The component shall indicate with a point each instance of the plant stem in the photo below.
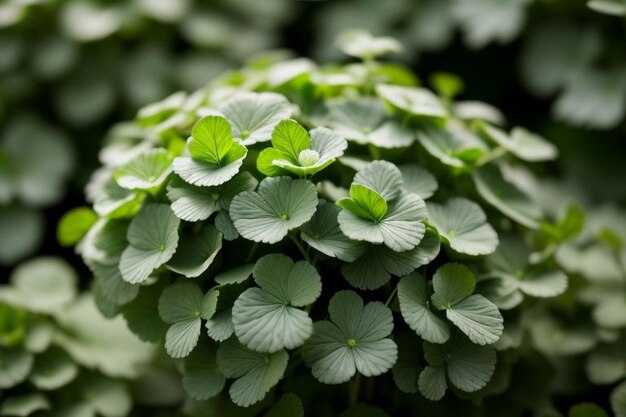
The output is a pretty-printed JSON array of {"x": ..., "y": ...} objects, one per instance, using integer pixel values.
[
  {"x": 252, "y": 251},
  {"x": 301, "y": 248},
  {"x": 391, "y": 296},
  {"x": 354, "y": 389},
  {"x": 491, "y": 156}
]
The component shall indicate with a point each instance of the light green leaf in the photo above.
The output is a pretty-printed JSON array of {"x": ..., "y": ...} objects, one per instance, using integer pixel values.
[
  {"x": 201, "y": 377},
  {"x": 361, "y": 44},
  {"x": 606, "y": 364},
  {"x": 196, "y": 252},
  {"x": 586, "y": 410},
  {"x": 106, "y": 397},
  {"x": 323, "y": 233},
  {"x": 279, "y": 205},
  {"x": 478, "y": 318},
  {"x": 452, "y": 147},
  {"x": 214, "y": 156},
  {"x": 417, "y": 180},
  {"x": 506, "y": 198},
  {"x": 22, "y": 230},
  {"x": 224, "y": 224},
  {"x": 38, "y": 336},
  {"x": 53, "y": 369},
  {"x": 191, "y": 203},
  {"x": 74, "y": 225},
  {"x": 375, "y": 267},
  {"x": 545, "y": 284},
  {"x": 254, "y": 115},
  {"x": 153, "y": 238},
  {"x": 356, "y": 338},
  {"x": 415, "y": 309},
  {"x": 146, "y": 171},
  {"x": 24, "y": 405},
  {"x": 414, "y": 100},
  {"x": 236, "y": 275},
  {"x": 256, "y": 373},
  {"x": 288, "y": 405},
  {"x": 381, "y": 176},
  {"x": 115, "y": 201},
  {"x": 522, "y": 143},
  {"x": 554, "y": 338},
  {"x": 611, "y": 7},
  {"x": 265, "y": 318},
  {"x": 15, "y": 365},
  {"x": 44, "y": 284},
  {"x": 365, "y": 204},
  {"x": 290, "y": 138},
  {"x": 220, "y": 327},
  {"x": 468, "y": 367},
  {"x": 463, "y": 225},
  {"x": 452, "y": 283},
  {"x": 181, "y": 305},
  {"x": 618, "y": 400}
]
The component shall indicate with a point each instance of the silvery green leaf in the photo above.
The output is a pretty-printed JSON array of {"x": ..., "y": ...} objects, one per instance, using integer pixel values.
[
  {"x": 432, "y": 382},
  {"x": 256, "y": 373},
  {"x": 196, "y": 252},
  {"x": 146, "y": 171},
  {"x": 409, "y": 365},
  {"x": 288, "y": 405},
  {"x": 24, "y": 405},
  {"x": 606, "y": 364},
  {"x": 463, "y": 225},
  {"x": 452, "y": 147},
  {"x": 505, "y": 197},
  {"x": 414, "y": 100},
  {"x": 381, "y": 176},
  {"x": 612, "y": 7},
  {"x": 15, "y": 366},
  {"x": 477, "y": 110},
  {"x": 375, "y": 267},
  {"x": 418, "y": 180},
  {"x": 361, "y": 44},
  {"x": 111, "y": 284},
  {"x": 201, "y": 377},
  {"x": 618, "y": 400},
  {"x": 356, "y": 338},
  {"x": 279, "y": 205},
  {"x": 266, "y": 319},
  {"x": 554, "y": 338},
  {"x": 53, "y": 369},
  {"x": 254, "y": 115},
  {"x": 142, "y": 315},
  {"x": 153, "y": 239},
  {"x": 283, "y": 72},
  {"x": 224, "y": 224},
  {"x": 87, "y": 22},
  {"x": 22, "y": 230},
  {"x": 415, "y": 308},
  {"x": 236, "y": 275},
  {"x": 522, "y": 143}
]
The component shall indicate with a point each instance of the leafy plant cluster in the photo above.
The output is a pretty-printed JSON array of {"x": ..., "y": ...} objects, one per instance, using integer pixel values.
[
  {"x": 68, "y": 66},
  {"x": 570, "y": 52},
  {"x": 58, "y": 355},
  {"x": 293, "y": 227}
]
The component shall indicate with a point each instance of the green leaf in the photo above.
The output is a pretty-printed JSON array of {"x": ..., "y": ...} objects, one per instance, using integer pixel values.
[
  {"x": 115, "y": 201},
  {"x": 254, "y": 115},
  {"x": 606, "y": 364},
  {"x": 22, "y": 230},
  {"x": 279, "y": 205},
  {"x": 214, "y": 156},
  {"x": 323, "y": 233},
  {"x": 413, "y": 100},
  {"x": 288, "y": 405},
  {"x": 611, "y": 7},
  {"x": 522, "y": 143},
  {"x": 295, "y": 152},
  {"x": 74, "y": 225},
  {"x": 415, "y": 308},
  {"x": 463, "y": 225},
  {"x": 24, "y": 405},
  {"x": 181, "y": 305},
  {"x": 256, "y": 373},
  {"x": 468, "y": 367},
  {"x": 236, "y": 275},
  {"x": 15, "y": 365},
  {"x": 409, "y": 365},
  {"x": 618, "y": 400},
  {"x": 111, "y": 284},
  {"x": 456, "y": 148},
  {"x": 191, "y": 203},
  {"x": 196, "y": 252},
  {"x": 106, "y": 397},
  {"x": 220, "y": 327},
  {"x": 53, "y": 369},
  {"x": 506, "y": 198},
  {"x": 148, "y": 170},
  {"x": 361, "y": 44},
  {"x": 375, "y": 267},
  {"x": 554, "y": 338},
  {"x": 381, "y": 176},
  {"x": 356, "y": 338},
  {"x": 224, "y": 224},
  {"x": 265, "y": 318},
  {"x": 201, "y": 377},
  {"x": 364, "y": 203},
  {"x": 586, "y": 410},
  {"x": 153, "y": 238},
  {"x": 142, "y": 315},
  {"x": 44, "y": 284},
  {"x": 452, "y": 283},
  {"x": 417, "y": 180}
]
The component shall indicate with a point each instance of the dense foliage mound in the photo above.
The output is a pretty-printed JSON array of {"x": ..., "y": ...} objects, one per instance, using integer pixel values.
[{"x": 293, "y": 227}]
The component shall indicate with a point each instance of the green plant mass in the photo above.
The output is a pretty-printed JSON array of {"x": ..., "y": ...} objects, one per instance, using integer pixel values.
[{"x": 294, "y": 232}]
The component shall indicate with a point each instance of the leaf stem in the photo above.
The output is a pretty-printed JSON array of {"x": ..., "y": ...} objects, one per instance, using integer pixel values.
[
  {"x": 354, "y": 389},
  {"x": 391, "y": 296},
  {"x": 251, "y": 252},
  {"x": 491, "y": 156},
  {"x": 300, "y": 247}
]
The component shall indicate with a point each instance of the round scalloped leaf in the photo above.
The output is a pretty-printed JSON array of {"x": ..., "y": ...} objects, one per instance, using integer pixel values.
[
  {"x": 375, "y": 267},
  {"x": 586, "y": 410},
  {"x": 224, "y": 224},
  {"x": 15, "y": 365},
  {"x": 22, "y": 230},
  {"x": 196, "y": 252},
  {"x": 201, "y": 377},
  {"x": 432, "y": 383},
  {"x": 606, "y": 364},
  {"x": 356, "y": 338},
  {"x": 361, "y": 44},
  {"x": 409, "y": 365},
  {"x": 220, "y": 327},
  {"x": 153, "y": 239},
  {"x": 214, "y": 156},
  {"x": 254, "y": 115},
  {"x": 236, "y": 275},
  {"x": 146, "y": 171},
  {"x": 381, "y": 176},
  {"x": 115, "y": 201},
  {"x": 545, "y": 284},
  {"x": 288, "y": 405},
  {"x": 142, "y": 315},
  {"x": 463, "y": 225},
  {"x": 413, "y": 100},
  {"x": 256, "y": 373},
  {"x": 44, "y": 284},
  {"x": 522, "y": 143},
  {"x": 323, "y": 233},
  {"x": 418, "y": 180},
  {"x": 554, "y": 338},
  {"x": 279, "y": 205},
  {"x": 454, "y": 148},
  {"x": 506, "y": 198},
  {"x": 415, "y": 308},
  {"x": 24, "y": 405},
  {"x": 618, "y": 400},
  {"x": 265, "y": 318},
  {"x": 53, "y": 369}
]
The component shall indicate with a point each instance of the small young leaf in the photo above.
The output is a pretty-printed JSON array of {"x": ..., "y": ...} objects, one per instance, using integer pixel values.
[{"x": 74, "y": 225}]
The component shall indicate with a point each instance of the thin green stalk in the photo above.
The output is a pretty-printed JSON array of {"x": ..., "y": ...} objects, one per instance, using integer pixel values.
[
  {"x": 391, "y": 296},
  {"x": 354, "y": 389},
  {"x": 300, "y": 247}
]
